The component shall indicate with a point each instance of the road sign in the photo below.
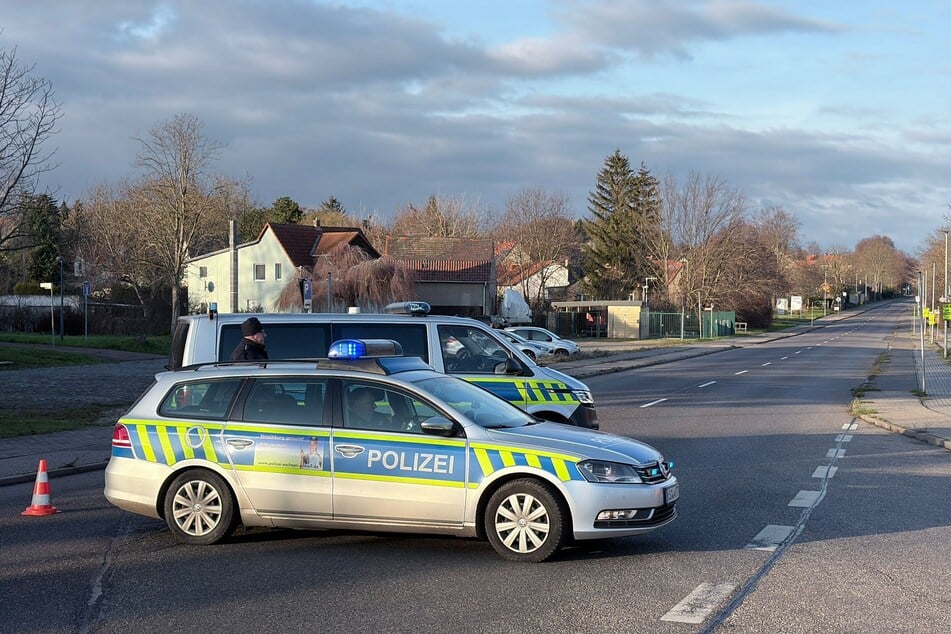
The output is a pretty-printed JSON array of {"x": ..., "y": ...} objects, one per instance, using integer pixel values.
[
  {"x": 946, "y": 312},
  {"x": 307, "y": 294},
  {"x": 87, "y": 288}
]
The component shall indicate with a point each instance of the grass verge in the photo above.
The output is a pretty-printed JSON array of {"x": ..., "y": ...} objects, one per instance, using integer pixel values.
[
  {"x": 153, "y": 345},
  {"x": 22, "y": 423},
  {"x": 22, "y": 358}
]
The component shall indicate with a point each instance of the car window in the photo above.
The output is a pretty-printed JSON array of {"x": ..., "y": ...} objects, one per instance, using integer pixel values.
[
  {"x": 475, "y": 403},
  {"x": 200, "y": 399},
  {"x": 468, "y": 350},
  {"x": 291, "y": 401},
  {"x": 284, "y": 341},
  {"x": 368, "y": 405}
]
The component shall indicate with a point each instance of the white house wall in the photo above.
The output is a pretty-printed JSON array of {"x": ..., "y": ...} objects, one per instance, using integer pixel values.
[{"x": 252, "y": 294}]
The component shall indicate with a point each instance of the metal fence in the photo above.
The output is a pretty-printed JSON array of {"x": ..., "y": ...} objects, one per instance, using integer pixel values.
[{"x": 687, "y": 326}]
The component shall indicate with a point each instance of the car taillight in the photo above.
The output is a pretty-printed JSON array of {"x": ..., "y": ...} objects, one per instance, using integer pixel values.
[{"x": 120, "y": 436}]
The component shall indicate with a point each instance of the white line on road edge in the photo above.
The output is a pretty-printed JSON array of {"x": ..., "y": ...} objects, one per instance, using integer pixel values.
[
  {"x": 707, "y": 384},
  {"x": 824, "y": 472},
  {"x": 843, "y": 438},
  {"x": 700, "y": 603},
  {"x": 740, "y": 372},
  {"x": 770, "y": 537},
  {"x": 835, "y": 453},
  {"x": 805, "y": 499},
  {"x": 660, "y": 400}
]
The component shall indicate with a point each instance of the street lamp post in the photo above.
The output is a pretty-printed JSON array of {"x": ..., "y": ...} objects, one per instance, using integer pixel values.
[
  {"x": 945, "y": 298},
  {"x": 62, "y": 311}
]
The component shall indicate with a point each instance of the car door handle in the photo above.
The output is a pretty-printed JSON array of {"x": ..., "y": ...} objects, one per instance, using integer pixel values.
[
  {"x": 349, "y": 451},
  {"x": 239, "y": 443}
]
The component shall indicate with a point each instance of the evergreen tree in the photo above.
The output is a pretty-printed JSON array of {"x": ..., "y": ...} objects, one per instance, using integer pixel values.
[
  {"x": 626, "y": 215},
  {"x": 44, "y": 222},
  {"x": 285, "y": 211}
]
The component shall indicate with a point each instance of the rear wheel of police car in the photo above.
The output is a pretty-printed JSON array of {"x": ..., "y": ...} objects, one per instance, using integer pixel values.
[
  {"x": 525, "y": 521},
  {"x": 199, "y": 508}
]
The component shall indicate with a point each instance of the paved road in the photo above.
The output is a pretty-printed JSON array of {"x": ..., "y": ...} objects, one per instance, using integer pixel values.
[{"x": 866, "y": 553}]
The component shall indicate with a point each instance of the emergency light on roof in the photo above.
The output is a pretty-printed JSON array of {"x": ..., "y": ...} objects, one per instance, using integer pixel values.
[
  {"x": 352, "y": 349},
  {"x": 407, "y": 308}
]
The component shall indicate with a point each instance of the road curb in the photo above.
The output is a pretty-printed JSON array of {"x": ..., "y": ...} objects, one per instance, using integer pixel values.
[
  {"x": 53, "y": 473},
  {"x": 642, "y": 363},
  {"x": 923, "y": 436}
]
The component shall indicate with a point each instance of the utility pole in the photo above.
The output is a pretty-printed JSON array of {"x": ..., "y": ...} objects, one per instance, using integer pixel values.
[{"x": 921, "y": 292}]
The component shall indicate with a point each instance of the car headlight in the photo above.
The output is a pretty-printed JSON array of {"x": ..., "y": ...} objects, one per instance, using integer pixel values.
[
  {"x": 583, "y": 396},
  {"x": 608, "y": 472}
]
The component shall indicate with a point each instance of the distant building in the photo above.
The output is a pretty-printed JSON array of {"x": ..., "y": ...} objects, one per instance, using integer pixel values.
[
  {"x": 456, "y": 276},
  {"x": 264, "y": 266}
]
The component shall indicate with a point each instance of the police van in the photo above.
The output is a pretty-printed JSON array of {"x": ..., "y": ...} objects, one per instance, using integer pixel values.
[{"x": 458, "y": 346}]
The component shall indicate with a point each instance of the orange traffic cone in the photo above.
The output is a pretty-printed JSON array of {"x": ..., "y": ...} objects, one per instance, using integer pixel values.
[{"x": 41, "y": 494}]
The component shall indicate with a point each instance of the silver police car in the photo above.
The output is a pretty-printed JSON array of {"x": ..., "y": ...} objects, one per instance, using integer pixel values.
[{"x": 368, "y": 439}]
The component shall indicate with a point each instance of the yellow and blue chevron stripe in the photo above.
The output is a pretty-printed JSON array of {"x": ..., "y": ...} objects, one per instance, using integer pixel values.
[
  {"x": 527, "y": 392},
  {"x": 491, "y": 458}
]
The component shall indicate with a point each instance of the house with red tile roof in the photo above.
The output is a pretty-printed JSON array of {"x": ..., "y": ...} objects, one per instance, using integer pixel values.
[
  {"x": 250, "y": 276},
  {"x": 455, "y": 276}
]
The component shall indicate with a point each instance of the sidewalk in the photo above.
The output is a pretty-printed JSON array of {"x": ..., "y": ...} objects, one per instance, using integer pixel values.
[{"x": 891, "y": 401}]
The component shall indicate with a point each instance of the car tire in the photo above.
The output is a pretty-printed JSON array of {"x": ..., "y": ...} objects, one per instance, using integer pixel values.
[
  {"x": 561, "y": 353},
  {"x": 199, "y": 508},
  {"x": 529, "y": 354},
  {"x": 524, "y": 521}
]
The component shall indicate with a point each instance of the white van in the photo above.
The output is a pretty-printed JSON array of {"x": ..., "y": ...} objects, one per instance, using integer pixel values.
[{"x": 452, "y": 345}]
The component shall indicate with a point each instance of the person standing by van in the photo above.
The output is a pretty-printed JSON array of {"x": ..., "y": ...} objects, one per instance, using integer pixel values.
[{"x": 251, "y": 347}]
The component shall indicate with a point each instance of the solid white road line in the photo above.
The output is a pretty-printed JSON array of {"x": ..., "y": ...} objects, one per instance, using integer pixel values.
[
  {"x": 770, "y": 537},
  {"x": 740, "y": 372},
  {"x": 700, "y": 603},
  {"x": 835, "y": 453},
  {"x": 805, "y": 499},
  {"x": 824, "y": 472},
  {"x": 660, "y": 400},
  {"x": 707, "y": 384},
  {"x": 843, "y": 438}
]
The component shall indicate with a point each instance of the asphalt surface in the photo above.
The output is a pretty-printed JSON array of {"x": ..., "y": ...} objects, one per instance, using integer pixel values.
[{"x": 893, "y": 399}]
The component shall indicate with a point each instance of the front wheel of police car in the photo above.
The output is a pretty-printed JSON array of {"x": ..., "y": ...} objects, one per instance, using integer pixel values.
[
  {"x": 199, "y": 509},
  {"x": 525, "y": 522}
]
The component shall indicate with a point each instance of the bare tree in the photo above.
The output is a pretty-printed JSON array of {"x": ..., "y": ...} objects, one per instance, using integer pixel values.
[
  {"x": 353, "y": 279},
  {"x": 882, "y": 263},
  {"x": 540, "y": 228},
  {"x": 28, "y": 116},
  {"x": 442, "y": 217},
  {"x": 702, "y": 222},
  {"x": 176, "y": 159}
]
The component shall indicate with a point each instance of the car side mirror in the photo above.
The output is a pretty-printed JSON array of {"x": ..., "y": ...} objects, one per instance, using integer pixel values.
[
  {"x": 438, "y": 426},
  {"x": 510, "y": 367}
]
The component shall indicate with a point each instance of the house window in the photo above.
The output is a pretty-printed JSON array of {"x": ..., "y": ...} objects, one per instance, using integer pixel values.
[
  {"x": 202, "y": 271},
  {"x": 277, "y": 270},
  {"x": 260, "y": 271}
]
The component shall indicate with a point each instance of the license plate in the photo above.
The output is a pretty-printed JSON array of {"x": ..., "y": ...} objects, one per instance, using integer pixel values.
[{"x": 671, "y": 493}]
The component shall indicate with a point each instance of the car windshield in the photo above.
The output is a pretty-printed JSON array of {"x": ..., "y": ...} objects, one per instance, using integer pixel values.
[
  {"x": 475, "y": 403},
  {"x": 513, "y": 337}
]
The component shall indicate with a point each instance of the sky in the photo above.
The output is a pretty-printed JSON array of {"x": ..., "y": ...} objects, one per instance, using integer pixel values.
[{"x": 839, "y": 112}]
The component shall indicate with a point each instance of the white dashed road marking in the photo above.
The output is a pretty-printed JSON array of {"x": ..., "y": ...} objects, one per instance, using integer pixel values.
[
  {"x": 770, "y": 537},
  {"x": 707, "y": 384},
  {"x": 805, "y": 499},
  {"x": 740, "y": 372},
  {"x": 824, "y": 472},
  {"x": 767, "y": 363},
  {"x": 700, "y": 603},
  {"x": 843, "y": 438},
  {"x": 660, "y": 400},
  {"x": 835, "y": 453}
]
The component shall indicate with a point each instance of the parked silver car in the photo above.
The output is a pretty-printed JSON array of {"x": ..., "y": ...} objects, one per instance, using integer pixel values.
[
  {"x": 535, "y": 334},
  {"x": 534, "y": 350},
  {"x": 366, "y": 440}
]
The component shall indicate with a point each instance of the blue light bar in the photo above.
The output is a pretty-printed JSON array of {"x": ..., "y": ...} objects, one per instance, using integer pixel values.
[
  {"x": 415, "y": 308},
  {"x": 347, "y": 349},
  {"x": 352, "y": 349}
]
